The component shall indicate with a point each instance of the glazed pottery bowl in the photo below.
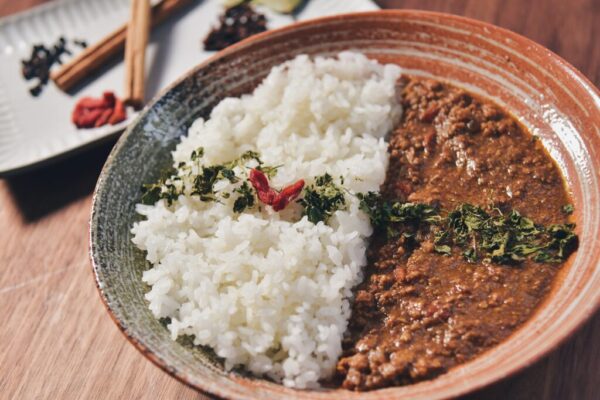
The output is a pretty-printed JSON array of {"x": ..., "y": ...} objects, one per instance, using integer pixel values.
[{"x": 544, "y": 92}]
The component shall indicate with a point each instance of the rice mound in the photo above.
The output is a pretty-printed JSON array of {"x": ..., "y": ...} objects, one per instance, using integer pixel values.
[{"x": 266, "y": 290}]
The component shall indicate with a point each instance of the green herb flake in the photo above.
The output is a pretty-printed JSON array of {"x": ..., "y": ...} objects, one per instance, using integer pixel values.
[
  {"x": 250, "y": 155},
  {"x": 151, "y": 193},
  {"x": 229, "y": 174},
  {"x": 568, "y": 209},
  {"x": 504, "y": 238},
  {"x": 197, "y": 154},
  {"x": 245, "y": 199},
  {"x": 204, "y": 183},
  {"x": 443, "y": 249},
  {"x": 269, "y": 171},
  {"x": 491, "y": 236},
  {"x": 470, "y": 255},
  {"x": 322, "y": 199},
  {"x": 162, "y": 189},
  {"x": 382, "y": 214}
]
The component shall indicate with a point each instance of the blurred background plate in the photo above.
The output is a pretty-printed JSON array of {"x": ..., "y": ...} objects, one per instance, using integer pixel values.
[{"x": 36, "y": 130}]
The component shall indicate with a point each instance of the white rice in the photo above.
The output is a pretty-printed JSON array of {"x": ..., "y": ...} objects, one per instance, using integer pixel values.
[{"x": 271, "y": 291}]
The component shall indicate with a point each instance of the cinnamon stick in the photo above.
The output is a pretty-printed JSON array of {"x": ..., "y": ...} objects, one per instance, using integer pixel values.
[
  {"x": 135, "y": 52},
  {"x": 97, "y": 55}
]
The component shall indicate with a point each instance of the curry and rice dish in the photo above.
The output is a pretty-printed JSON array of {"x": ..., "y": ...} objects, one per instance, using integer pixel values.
[{"x": 346, "y": 225}]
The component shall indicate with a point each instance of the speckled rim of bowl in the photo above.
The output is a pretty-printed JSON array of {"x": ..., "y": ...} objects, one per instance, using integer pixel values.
[{"x": 457, "y": 389}]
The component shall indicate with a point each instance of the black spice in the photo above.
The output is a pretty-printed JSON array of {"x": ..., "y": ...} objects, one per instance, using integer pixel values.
[
  {"x": 237, "y": 23},
  {"x": 80, "y": 43},
  {"x": 42, "y": 58}
]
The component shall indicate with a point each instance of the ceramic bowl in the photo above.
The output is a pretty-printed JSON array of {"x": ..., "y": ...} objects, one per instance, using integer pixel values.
[{"x": 547, "y": 94}]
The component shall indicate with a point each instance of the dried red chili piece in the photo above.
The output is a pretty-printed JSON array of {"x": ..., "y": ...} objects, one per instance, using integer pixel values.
[
  {"x": 91, "y": 112},
  {"x": 119, "y": 113},
  {"x": 103, "y": 118},
  {"x": 261, "y": 184},
  {"x": 90, "y": 102},
  {"x": 288, "y": 194},
  {"x": 268, "y": 195},
  {"x": 86, "y": 118},
  {"x": 109, "y": 99}
]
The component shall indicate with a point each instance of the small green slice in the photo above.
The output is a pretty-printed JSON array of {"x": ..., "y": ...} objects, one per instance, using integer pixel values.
[{"x": 281, "y": 6}]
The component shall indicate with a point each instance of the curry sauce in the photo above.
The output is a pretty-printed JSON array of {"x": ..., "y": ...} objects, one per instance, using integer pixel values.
[{"x": 418, "y": 313}]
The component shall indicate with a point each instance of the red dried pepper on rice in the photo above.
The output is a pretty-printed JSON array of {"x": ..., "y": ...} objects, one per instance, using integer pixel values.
[{"x": 271, "y": 197}]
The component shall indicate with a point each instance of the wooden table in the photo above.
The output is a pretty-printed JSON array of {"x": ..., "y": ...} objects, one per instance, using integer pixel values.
[{"x": 58, "y": 342}]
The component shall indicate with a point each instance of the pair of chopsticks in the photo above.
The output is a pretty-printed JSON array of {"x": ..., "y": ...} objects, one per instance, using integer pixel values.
[{"x": 133, "y": 37}]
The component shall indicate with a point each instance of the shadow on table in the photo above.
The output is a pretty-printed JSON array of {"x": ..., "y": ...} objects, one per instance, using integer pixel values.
[{"x": 45, "y": 190}]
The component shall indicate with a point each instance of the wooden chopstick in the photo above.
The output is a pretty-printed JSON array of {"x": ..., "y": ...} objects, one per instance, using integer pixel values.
[
  {"x": 97, "y": 55},
  {"x": 135, "y": 52}
]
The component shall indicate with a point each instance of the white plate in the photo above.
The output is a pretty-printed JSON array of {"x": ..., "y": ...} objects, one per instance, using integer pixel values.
[{"x": 36, "y": 130}]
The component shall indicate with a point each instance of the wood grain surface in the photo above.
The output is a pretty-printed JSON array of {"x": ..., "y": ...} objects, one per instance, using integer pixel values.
[{"x": 58, "y": 342}]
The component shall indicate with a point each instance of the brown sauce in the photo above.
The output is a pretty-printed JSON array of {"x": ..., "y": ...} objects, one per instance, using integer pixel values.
[{"x": 419, "y": 313}]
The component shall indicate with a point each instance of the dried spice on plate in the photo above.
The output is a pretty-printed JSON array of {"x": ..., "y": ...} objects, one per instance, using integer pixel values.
[
  {"x": 237, "y": 23},
  {"x": 42, "y": 59},
  {"x": 91, "y": 112}
]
